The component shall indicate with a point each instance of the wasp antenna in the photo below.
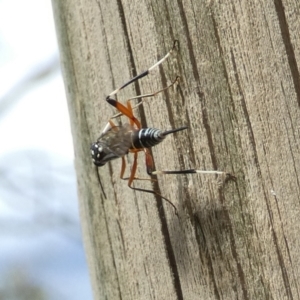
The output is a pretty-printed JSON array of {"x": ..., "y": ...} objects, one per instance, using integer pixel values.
[{"x": 100, "y": 182}]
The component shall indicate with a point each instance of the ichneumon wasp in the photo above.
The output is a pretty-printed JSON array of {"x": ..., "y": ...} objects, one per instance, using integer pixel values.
[{"x": 117, "y": 141}]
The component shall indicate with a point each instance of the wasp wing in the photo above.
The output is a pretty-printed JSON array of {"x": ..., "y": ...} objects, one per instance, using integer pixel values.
[{"x": 118, "y": 140}]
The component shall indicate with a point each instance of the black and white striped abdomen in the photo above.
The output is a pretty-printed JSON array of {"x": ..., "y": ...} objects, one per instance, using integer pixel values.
[{"x": 147, "y": 137}]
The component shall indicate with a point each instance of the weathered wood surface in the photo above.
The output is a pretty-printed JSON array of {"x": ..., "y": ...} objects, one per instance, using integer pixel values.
[{"x": 240, "y": 96}]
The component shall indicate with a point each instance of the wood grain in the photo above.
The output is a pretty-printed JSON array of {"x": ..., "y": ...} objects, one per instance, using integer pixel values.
[{"x": 239, "y": 94}]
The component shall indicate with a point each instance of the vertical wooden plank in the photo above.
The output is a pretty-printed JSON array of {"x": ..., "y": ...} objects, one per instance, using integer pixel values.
[{"x": 239, "y": 95}]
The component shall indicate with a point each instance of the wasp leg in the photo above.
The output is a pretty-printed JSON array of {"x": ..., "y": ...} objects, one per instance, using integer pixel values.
[
  {"x": 150, "y": 165},
  {"x": 150, "y": 171},
  {"x": 123, "y": 167},
  {"x": 139, "y": 178},
  {"x": 110, "y": 125},
  {"x": 145, "y": 73},
  {"x": 228, "y": 176},
  {"x": 127, "y": 111},
  {"x": 132, "y": 177},
  {"x": 190, "y": 171},
  {"x": 147, "y": 96},
  {"x": 120, "y": 107}
]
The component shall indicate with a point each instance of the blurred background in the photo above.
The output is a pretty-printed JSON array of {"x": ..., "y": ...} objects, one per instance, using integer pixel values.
[{"x": 41, "y": 251}]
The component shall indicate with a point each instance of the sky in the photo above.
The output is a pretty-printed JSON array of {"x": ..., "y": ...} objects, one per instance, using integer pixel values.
[{"x": 40, "y": 235}]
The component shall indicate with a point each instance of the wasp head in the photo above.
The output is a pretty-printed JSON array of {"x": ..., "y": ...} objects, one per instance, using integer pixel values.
[{"x": 100, "y": 154}]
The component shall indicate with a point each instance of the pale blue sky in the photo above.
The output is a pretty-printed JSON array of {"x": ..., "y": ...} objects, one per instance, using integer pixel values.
[{"x": 39, "y": 223}]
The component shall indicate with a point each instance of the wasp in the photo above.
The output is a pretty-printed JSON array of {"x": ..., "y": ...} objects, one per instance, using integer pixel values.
[{"x": 118, "y": 141}]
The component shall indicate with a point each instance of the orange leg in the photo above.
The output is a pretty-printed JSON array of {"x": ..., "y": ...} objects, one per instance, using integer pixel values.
[
  {"x": 132, "y": 177},
  {"x": 123, "y": 167},
  {"x": 149, "y": 95},
  {"x": 127, "y": 111}
]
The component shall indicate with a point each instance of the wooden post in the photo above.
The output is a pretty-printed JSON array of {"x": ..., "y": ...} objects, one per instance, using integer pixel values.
[{"x": 239, "y": 94}]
